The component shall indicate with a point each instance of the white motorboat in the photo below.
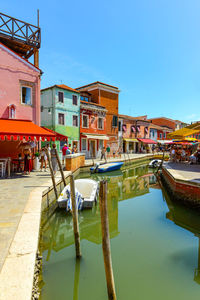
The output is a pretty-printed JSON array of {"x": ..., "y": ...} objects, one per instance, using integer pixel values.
[
  {"x": 86, "y": 192},
  {"x": 155, "y": 163}
]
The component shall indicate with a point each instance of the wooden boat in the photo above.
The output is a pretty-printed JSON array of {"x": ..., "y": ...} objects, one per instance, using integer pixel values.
[
  {"x": 86, "y": 192},
  {"x": 106, "y": 167}
]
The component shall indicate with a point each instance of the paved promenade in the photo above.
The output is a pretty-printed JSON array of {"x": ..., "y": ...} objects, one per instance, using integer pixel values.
[
  {"x": 14, "y": 193},
  {"x": 184, "y": 172},
  {"x": 124, "y": 158}
]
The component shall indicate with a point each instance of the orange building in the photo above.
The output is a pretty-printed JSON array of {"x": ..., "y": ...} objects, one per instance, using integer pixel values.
[
  {"x": 92, "y": 127},
  {"x": 107, "y": 96},
  {"x": 166, "y": 122}
]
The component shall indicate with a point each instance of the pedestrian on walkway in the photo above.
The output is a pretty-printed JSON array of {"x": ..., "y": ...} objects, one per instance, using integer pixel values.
[
  {"x": 27, "y": 161},
  {"x": 64, "y": 153},
  {"x": 54, "y": 161},
  {"x": 48, "y": 148},
  {"x": 108, "y": 151},
  {"x": 43, "y": 160},
  {"x": 103, "y": 153}
]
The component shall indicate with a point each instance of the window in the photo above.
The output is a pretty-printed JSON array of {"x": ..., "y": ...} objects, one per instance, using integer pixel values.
[
  {"x": 84, "y": 99},
  {"x": 61, "y": 119},
  {"x": 100, "y": 123},
  {"x": 85, "y": 121},
  {"x": 114, "y": 121},
  {"x": 75, "y": 121},
  {"x": 12, "y": 111},
  {"x": 75, "y": 99},
  {"x": 84, "y": 144},
  {"x": 26, "y": 95},
  {"x": 160, "y": 135},
  {"x": 164, "y": 135},
  {"x": 61, "y": 97},
  {"x": 119, "y": 126}
]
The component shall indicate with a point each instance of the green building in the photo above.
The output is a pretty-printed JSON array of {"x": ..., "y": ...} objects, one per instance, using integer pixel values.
[{"x": 60, "y": 111}]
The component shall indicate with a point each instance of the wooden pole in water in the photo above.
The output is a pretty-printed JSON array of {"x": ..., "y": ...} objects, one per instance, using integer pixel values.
[
  {"x": 60, "y": 167},
  {"x": 75, "y": 218},
  {"x": 106, "y": 241},
  {"x": 52, "y": 174}
]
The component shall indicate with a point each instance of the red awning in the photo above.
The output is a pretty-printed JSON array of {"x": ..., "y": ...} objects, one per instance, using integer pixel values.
[
  {"x": 59, "y": 136},
  {"x": 19, "y": 129},
  {"x": 147, "y": 141}
]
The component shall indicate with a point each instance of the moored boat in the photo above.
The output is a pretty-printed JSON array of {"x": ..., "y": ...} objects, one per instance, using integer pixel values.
[
  {"x": 86, "y": 192},
  {"x": 108, "y": 167},
  {"x": 155, "y": 163}
]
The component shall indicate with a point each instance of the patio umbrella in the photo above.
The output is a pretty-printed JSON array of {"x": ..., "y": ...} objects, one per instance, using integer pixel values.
[{"x": 25, "y": 145}]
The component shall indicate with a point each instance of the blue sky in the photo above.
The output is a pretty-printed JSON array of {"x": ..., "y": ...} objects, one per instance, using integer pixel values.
[{"x": 149, "y": 49}]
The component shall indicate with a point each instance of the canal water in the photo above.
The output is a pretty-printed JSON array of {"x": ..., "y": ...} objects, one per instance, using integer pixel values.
[{"x": 155, "y": 245}]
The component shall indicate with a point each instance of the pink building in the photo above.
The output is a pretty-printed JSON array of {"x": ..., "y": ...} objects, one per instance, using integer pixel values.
[{"x": 19, "y": 87}]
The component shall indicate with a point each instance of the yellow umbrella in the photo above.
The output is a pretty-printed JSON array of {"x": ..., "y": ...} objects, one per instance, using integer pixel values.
[
  {"x": 182, "y": 133},
  {"x": 191, "y": 139}
]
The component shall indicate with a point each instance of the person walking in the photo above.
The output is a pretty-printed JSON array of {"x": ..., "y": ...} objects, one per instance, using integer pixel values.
[
  {"x": 48, "y": 148},
  {"x": 103, "y": 153},
  {"x": 54, "y": 161},
  {"x": 43, "y": 159},
  {"x": 108, "y": 151},
  {"x": 27, "y": 161},
  {"x": 64, "y": 153}
]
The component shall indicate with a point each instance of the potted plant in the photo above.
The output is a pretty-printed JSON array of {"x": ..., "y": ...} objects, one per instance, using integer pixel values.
[{"x": 36, "y": 163}]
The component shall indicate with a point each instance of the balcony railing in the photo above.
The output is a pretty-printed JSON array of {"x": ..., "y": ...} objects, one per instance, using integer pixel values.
[{"x": 16, "y": 29}]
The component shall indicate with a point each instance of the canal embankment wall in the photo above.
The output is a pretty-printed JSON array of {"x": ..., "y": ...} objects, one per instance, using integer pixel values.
[
  {"x": 183, "y": 183},
  {"x": 17, "y": 273}
]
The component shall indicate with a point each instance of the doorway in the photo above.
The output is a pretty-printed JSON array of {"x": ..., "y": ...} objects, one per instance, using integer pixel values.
[{"x": 93, "y": 148}]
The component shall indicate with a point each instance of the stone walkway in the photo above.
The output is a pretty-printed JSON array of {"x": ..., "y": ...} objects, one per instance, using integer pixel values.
[
  {"x": 124, "y": 157},
  {"x": 14, "y": 193}
]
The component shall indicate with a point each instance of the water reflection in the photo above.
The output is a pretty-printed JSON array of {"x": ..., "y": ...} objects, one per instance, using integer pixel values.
[
  {"x": 58, "y": 230},
  {"x": 187, "y": 219},
  {"x": 76, "y": 279},
  {"x": 145, "y": 226}
]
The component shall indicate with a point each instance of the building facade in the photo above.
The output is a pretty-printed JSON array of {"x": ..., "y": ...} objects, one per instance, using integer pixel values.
[
  {"x": 159, "y": 133},
  {"x": 106, "y": 96},
  {"x": 135, "y": 133},
  {"x": 60, "y": 111},
  {"x": 92, "y": 128},
  {"x": 169, "y": 123},
  {"x": 20, "y": 87}
]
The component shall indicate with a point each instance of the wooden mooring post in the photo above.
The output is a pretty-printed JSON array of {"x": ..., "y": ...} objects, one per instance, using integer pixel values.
[
  {"x": 60, "y": 167},
  {"x": 52, "y": 174},
  {"x": 106, "y": 241},
  {"x": 75, "y": 218}
]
